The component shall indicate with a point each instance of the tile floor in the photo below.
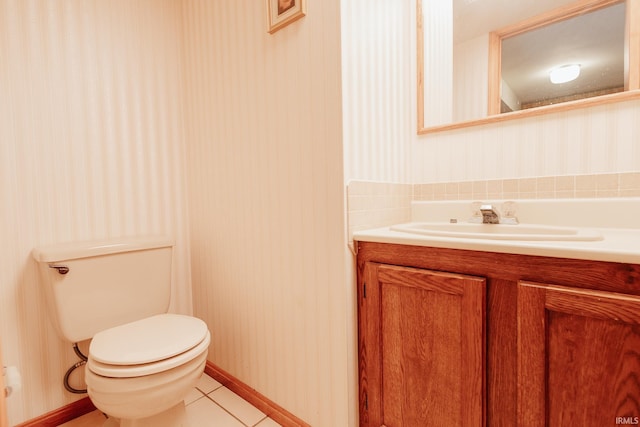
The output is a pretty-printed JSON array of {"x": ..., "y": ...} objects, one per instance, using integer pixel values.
[{"x": 208, "y": 404}]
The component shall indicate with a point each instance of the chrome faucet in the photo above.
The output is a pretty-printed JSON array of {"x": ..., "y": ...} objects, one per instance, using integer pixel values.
[
  {"x": 490, "y": 214},
  {"x": 487, "y": 213}
]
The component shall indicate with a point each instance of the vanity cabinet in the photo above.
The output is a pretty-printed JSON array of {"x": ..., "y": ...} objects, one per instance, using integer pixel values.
[{"x": 466, "y": 338}]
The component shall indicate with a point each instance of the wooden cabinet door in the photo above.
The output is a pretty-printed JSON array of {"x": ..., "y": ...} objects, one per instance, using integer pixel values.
[
  {"x": 421, "y": 348},
  {"x": 578, "y": 357}
]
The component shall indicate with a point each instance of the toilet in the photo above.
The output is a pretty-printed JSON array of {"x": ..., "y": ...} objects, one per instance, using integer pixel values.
[{"x": 142, "y": 360}]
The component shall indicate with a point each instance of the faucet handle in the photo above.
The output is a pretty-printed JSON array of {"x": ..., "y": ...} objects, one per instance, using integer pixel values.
[{"x": 509, "y": 209}]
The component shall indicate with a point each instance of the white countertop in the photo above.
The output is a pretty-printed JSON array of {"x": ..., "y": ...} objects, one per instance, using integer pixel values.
[
  {"x": 620, "y": 243},
  {"x": 617, "y": 245}
]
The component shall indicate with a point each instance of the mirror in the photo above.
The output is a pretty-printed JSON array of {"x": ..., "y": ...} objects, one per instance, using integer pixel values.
[{"x": 482, "y": 61}]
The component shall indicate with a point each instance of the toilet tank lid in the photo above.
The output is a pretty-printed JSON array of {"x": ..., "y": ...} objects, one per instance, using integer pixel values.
[
  {"x": 90, "y": 248},
  {"x": 148, "y": 340}
]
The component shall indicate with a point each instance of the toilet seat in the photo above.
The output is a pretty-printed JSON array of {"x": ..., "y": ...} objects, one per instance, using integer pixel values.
[{"x": 148, "y": 346}]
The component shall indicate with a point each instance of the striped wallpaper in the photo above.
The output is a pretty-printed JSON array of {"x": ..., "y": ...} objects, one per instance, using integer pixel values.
[
  {"x": 595, "y": 140},
  {"x": 264, "y": 142},
  {"x": 91, "y": 146},
  {"x": 378, "y": 98}
]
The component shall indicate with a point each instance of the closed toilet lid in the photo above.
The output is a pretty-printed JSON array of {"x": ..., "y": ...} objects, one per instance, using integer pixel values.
[
  {"x": 148, "y": 340},
  {"x": 133, "y": 371}
]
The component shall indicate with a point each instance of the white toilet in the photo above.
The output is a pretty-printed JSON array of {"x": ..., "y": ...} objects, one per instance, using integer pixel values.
[{"x": 142, "y": 361}]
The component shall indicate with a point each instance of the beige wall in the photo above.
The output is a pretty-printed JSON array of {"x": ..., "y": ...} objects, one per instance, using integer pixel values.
[
  {"x": 91, "y": 146},
  {"x": 590, "y": 141},
  {"x": 378, "y": 57},
  {"x": 265, "y": 174}
]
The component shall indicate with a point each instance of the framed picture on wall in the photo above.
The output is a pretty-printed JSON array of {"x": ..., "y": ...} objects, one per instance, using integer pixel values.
[{"x": 283, "y": 12}]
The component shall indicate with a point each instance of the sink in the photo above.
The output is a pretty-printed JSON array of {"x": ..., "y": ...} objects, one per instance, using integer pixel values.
[{"x": 527, "y": 232}]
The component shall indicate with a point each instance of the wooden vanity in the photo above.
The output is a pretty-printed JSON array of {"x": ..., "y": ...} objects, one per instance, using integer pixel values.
[{"x": 450, "y": 337}]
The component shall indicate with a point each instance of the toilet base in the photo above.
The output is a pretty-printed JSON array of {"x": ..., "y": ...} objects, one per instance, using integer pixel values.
[
  {"x": 111, "y": 422},
  {"x": 172, "y": 417}
]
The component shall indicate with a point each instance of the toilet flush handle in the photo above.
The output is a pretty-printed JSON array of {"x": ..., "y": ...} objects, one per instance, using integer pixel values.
[{"x": 62, "y": 269}]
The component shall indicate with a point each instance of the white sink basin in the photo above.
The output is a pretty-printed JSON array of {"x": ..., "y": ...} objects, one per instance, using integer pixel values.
[{"x": 499, "y": 231}]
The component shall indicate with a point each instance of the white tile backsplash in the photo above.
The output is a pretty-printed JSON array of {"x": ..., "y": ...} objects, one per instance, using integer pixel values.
[{"x": 376, "y": 204}]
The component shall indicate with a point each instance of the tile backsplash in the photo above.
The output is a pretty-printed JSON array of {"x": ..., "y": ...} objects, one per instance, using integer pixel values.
[
  {"x": 550, "y": 187},
  {"x": 378, "y": 204}
]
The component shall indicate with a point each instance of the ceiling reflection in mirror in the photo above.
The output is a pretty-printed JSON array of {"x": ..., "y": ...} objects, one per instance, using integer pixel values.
[
  {"x": 593, "y": 43},
  {"x": 460, "y": 80}
]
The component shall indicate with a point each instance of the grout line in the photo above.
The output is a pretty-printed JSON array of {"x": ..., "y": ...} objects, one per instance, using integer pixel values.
[
  {"x": 223, "y": 408},
  {"x": 205, "y": 393},
  {"x": 256, "y": 424}
]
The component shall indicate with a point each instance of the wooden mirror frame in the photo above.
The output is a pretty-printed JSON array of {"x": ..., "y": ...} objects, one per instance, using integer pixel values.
[{"x": 632, "y": 53}]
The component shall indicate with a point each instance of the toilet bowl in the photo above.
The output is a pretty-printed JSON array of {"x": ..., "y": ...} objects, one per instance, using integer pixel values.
[{"x": 139, "y": 373}]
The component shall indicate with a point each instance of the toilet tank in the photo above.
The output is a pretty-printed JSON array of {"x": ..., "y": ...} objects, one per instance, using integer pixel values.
[{"x": 95, "y": 285}]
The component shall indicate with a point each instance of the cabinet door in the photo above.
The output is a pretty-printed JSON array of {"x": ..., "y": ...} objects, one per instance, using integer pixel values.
[
  {"x": 578, "y": 357},
  {"x": 422, "y": 348}
]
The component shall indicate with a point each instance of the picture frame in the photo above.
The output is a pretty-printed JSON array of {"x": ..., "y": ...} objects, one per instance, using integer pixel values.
[{"x": 281, "y": 13}]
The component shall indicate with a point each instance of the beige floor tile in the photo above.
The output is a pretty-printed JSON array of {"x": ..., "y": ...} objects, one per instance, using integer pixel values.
[
  {"x": 268, "y": 422},
  {"x": 239, "y": 407},
  {"x": 206, "y": 384},
  {"x": 92, "y": 419},
  {"x": 205, "y": 413},
  {"x": 193, "y": 395}
]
